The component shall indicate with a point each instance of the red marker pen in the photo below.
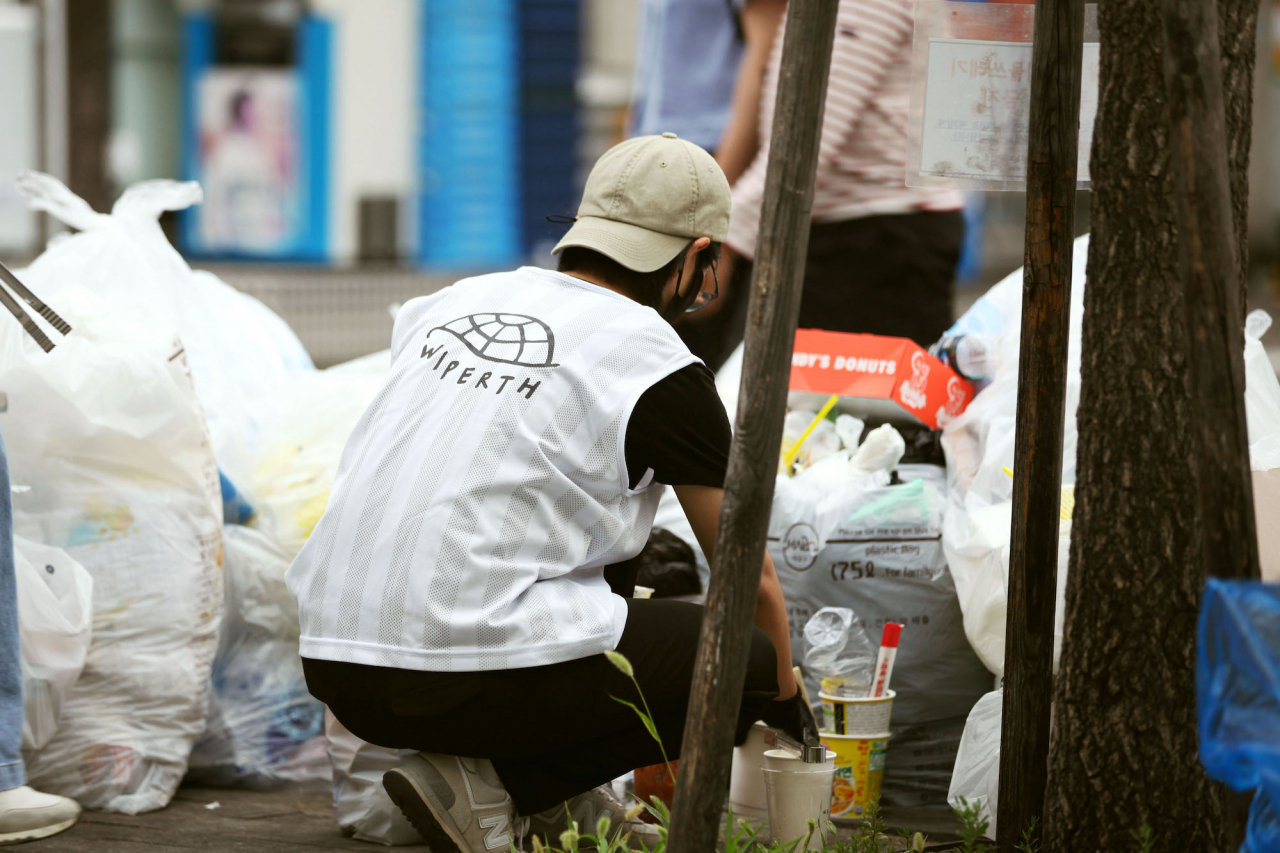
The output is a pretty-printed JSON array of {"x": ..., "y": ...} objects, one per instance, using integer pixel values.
[{"x": 884, "y": 661}]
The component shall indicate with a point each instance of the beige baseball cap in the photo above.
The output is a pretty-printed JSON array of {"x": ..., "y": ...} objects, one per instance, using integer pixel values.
[{"x": 647, "y": 198}]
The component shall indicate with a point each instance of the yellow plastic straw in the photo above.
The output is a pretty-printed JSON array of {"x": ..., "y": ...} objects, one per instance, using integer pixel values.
[
  {"x": 790, "y": 458},
  {"x": 1067, "y": 503}
]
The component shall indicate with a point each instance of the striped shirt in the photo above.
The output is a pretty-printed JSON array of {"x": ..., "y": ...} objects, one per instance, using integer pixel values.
[
  {"x": 863, "y": 151},
  {"x": 482, "y": 494}
]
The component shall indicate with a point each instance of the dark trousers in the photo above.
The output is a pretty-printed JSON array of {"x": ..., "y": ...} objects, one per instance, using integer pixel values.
[
  {"x": 881, "y": 275},
  {"x": 552, "y": 732}
]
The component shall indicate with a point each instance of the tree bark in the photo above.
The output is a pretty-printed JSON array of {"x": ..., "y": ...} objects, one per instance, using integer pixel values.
[{"x": 1123, "y": 751}]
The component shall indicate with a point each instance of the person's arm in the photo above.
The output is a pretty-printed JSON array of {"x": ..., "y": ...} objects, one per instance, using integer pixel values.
[
  {"x": 741, "y": 137},
  {"x": 702, "y": 508}
]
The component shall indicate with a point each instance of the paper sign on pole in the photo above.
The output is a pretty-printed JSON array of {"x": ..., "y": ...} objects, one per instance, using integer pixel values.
[{"x": 971, "y": 95}]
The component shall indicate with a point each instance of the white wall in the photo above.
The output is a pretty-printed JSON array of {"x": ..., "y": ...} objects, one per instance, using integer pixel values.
[{"x": 375, "y": 73}]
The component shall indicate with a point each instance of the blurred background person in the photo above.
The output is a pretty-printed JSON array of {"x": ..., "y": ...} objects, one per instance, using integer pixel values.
[
  {"x": 882, "y": 255},
  {"x": 700, "y": 66}
]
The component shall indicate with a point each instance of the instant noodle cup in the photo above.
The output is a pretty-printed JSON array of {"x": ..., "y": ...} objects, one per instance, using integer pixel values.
[
  {"x": 848, "y": 715},
  {"x": 859, "y": 771}
]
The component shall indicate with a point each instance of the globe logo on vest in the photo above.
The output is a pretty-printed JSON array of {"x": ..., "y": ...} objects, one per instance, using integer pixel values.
[{"x": 506, "y": 338}]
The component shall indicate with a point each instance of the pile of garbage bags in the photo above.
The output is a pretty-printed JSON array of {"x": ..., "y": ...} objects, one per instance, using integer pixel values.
[
  {"x": 861, "y": 529},
  {"x": 157, "y": 635},
  {"x": 979, "y": 447}
]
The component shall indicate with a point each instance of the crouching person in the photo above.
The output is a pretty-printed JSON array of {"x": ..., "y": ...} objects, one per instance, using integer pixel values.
[{"x": 453, "y": 597}]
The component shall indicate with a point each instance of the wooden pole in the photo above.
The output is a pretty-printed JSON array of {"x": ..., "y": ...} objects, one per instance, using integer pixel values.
[
  {"x": 1052, "y": 146},
  {"x": 89, "y": 100},
  {"x": 721, "y": 665},
  {"x": 1210, "y": 275}
]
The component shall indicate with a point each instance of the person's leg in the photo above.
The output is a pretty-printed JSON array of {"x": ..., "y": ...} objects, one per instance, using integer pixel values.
[
  {"x": 25, "y": 815},
  {"x": 661, "y": 643},
  {"x": 551, "y": 732},
  {"x": 883, "y": 275},
  {"x": 12, "y": 772}
]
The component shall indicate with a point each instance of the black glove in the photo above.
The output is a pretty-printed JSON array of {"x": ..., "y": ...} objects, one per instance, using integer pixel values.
[{"x": 792, "y": 717}]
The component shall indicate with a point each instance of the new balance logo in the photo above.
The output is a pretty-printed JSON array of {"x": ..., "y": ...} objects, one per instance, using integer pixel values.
[{"x": 497, "y": 838}]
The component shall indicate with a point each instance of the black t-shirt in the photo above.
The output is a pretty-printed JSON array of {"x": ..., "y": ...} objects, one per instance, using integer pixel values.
[{"x": 679, "y": 429}]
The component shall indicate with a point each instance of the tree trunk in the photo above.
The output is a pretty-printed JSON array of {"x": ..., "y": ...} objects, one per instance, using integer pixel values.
[{"x": 1123, "y": 746}]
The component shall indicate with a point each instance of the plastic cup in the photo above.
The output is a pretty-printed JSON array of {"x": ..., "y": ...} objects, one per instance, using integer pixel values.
[
  {"x": 847, "y": 715},
  {"x": 859, "y": 770},
  {"x": 797, "y": 796},
  {"x": 746, "y": 787}
]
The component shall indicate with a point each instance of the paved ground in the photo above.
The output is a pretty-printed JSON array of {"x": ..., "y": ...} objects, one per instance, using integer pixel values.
[{"x": 290, "y": 820}]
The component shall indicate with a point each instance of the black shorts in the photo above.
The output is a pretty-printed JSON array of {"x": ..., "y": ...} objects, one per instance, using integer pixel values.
[{"x": 555, "y": 731}]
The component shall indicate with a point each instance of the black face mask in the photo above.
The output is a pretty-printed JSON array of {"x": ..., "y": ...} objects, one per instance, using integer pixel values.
[
  {"x": 681, "y": 302},
  {"x": 684, "y": 303}
]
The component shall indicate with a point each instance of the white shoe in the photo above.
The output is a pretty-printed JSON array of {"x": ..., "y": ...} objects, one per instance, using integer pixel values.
[
  {"x": 26, "y": 815},
  {"x": 458, "y": 805}
]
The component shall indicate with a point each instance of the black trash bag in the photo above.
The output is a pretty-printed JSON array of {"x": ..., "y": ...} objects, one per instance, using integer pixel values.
[{"x": 666, "y": 565}]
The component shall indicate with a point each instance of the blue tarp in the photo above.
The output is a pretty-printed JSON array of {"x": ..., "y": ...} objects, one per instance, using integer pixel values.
[{"x": 1238, "y": 698}]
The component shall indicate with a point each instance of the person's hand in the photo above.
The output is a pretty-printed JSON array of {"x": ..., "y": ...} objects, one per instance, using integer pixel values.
[{"x": 792, "y": 717}]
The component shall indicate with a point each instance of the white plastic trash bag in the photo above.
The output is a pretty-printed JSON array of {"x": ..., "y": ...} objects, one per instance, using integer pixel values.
[
  {"x": 241, "y": 354},
  {"x": 977, "y": 772},
  {"x": 264, "y": 727},
  {"x": 980, "y": 452},
  {"x": 55, "y": 618},
  {"x": 109, "y": 435},
  {"x": 312, "y": 421},
  {"x": 979, "y": 445},
  {"x": 365, "y": 812}
]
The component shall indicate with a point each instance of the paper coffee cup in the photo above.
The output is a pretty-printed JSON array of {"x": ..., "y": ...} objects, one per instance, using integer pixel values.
[
  {"x": 859, "y": 770},
  {"x": 847, "y": 715}
]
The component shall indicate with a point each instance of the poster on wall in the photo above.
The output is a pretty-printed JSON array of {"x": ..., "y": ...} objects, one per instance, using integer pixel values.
[{"x": 249, "y": 161}]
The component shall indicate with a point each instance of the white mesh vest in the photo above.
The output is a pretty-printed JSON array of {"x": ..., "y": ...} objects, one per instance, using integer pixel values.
[{"x": 483, "y": 492}]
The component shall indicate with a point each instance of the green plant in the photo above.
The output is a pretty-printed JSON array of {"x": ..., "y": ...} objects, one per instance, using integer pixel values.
[
  {"x": 739, "y": 838},
  {"x": 973, "y": 826},
  {"x": 646, "y": 716},
  {"x": 1030, "y": 842},
  {"x": 1143, "y": 838}
]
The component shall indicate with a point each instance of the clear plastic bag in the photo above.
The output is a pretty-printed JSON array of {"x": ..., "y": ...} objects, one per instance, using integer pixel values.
[
  {"x": 55, "y": 619},
  {"x": 837, "y": 647},
  {"x": 264, "y": 726}
]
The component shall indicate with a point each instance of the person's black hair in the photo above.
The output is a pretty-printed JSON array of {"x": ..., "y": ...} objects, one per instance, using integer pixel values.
[{"x": 645, "y": 287}]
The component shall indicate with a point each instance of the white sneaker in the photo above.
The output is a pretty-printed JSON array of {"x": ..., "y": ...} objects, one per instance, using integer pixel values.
[
  {"x": 458, "y": 805},
  {"x": 586, "y": 810},
  {"x": 26, "y": 815}
]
